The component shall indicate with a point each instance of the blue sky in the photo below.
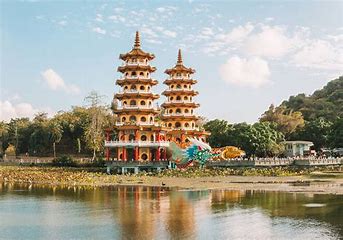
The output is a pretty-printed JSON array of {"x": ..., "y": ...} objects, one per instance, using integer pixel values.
[{"x": 247, "y": 54}]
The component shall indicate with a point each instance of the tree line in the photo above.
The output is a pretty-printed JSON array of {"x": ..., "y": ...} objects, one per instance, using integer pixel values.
[
  {"x": 78, "y": 131},
  {"x": 317, "y": 118}
]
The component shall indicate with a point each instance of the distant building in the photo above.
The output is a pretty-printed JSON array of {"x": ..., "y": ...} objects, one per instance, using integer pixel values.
[{"x": 297, "y": 148}]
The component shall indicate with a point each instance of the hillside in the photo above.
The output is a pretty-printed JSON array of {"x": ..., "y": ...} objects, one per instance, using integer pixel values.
[{"x": 326, "y": 102}]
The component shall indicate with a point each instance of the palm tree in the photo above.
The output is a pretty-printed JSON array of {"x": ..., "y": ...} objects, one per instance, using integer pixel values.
[{"x": 55, "y": 134}]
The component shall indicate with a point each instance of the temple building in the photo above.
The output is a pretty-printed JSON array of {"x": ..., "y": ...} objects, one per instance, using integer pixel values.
[
  {"x": 140, "y": 137},
  {"x": 179, "y": 107}
]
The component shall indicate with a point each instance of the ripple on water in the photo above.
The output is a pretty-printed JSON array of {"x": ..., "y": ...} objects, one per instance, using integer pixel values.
[{"x": 314, "y": 205}]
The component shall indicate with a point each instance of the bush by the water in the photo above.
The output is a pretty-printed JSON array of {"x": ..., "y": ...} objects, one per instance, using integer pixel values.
[
  {"x": 212, "y": 172},
  {"x": 64, "y": 161}
]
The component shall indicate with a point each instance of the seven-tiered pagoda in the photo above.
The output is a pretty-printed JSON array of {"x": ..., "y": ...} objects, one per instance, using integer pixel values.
[
  {"x": 140, "y": 137},
  {"x": 179, "y": 107}
]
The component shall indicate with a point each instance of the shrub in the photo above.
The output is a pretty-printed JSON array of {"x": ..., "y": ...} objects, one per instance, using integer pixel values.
[{"x": 64, "y": 161}]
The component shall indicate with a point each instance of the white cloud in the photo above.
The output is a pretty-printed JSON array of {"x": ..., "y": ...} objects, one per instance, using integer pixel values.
[
  {"x": 269, "y": 19},
  {"x": 320, "y": 54},
  {"x": 98, "y": 18},
  {"x": 62, "y": 23},
  {"x": 99, "y": 30},
  {"x": 55, "y": 82},
  {"x": 9, "y": 110},
  {"x": 253, "y": 72},
  {"x": 270, "y": 42},
  {"x": 169, "y": 33}
]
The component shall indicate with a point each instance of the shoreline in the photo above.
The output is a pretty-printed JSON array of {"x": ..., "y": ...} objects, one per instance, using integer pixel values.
[{"x": 73, "y": 177}]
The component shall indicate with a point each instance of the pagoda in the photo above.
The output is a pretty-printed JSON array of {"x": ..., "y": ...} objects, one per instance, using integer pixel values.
[
  {"x": 179, "y": 107},
  {"x": 139, "y": 136}
]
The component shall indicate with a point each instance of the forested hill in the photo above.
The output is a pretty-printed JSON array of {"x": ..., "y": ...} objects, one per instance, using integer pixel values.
[{"x": 326, "y": 103}]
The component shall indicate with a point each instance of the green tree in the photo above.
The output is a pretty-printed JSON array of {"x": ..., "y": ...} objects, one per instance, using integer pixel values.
[
  {"x": 286, "y": 121},
  {"x": 316, "y": 131},
  {"x": 218, "y": 129},
  {"x": 4, "y": 140},
  {"x": 336, "y": 134},
  {"x": 55, "y": 133}
]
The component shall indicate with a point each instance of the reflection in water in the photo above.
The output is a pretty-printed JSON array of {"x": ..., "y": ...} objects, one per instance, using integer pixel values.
[{"x": 138, "y": 212}]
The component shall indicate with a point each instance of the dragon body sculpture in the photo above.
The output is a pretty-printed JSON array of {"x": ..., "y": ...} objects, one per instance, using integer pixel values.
[{"x": 197, "y": 152}]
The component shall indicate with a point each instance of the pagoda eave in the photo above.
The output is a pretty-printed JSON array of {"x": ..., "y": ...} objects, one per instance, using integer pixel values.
[
  {"x": 121, "y": 82},
  {"x": 137, "y": 53},
  {"x": 137, "y": 67},
  {"x": 136, "y": 111},
  {"x": 180, "y": 104},
  {"x": 181, "y": 80},
  {"x": 179, "y": 91},
  {"x": 179, "y": 69},
  {"x": 179, "y": 117},
  {"x": 120, "y": 96}
]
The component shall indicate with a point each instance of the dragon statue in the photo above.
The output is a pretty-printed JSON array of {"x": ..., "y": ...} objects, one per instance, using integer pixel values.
[{"x": 197, "y": 152}]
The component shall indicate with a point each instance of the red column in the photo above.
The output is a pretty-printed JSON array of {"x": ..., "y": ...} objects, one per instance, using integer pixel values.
[
  {"x": 158, "y": 137},
  {"x": 124, "y": 154},
  {"x": 158, "y": 154},
  {"x": 136, "y": 153},
  {"x": 107, "y": 148},
  {"x": 165, "y": 154}
]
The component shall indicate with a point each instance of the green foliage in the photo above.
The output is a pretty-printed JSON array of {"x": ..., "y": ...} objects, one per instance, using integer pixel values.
[
  {"x": 335, "y": 139},
  {"x": 286, "y": 121},
  {"x": 64, "y": 161},
  {"x": 326, "y": 103},
  {"x": 259, "y": 139}
]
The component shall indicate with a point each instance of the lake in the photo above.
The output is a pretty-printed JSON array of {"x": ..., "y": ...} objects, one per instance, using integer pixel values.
[{"x": 138, "y": 212}]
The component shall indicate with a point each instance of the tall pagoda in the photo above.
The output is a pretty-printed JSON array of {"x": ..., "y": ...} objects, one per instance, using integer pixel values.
[
  {"x": 140, "y": 137},
  {"x": 179, "y": 107}
]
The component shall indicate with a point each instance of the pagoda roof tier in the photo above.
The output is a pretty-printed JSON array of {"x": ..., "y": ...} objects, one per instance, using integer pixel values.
[
  {"x": 179, "y": 67},
  {"x": 190, "y": 131},
  {"x": 135, "y": 67},
  {"x": 136, "y": 51},
  {"x": 136, "y": 109},
  {"x": 128, "y": 80},
  {"x": 180, "y": 80},
  {"x": 179, "y": 116},
  {"x": 136, "y": 94},
  {"x": 180, "y": 104},
  {"x": 187, "y": 92},
  {"x": 140, "y": 126}
]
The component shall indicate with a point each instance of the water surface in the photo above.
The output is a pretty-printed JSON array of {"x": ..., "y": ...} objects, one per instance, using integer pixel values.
[{"x": 137, "y": 212}]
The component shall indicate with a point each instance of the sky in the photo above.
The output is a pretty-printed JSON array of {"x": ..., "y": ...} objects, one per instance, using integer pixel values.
[{"x": 247, "y": 54}]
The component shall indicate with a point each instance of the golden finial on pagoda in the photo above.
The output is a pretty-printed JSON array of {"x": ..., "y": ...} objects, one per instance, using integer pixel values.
[
  {"x": 137, "y": 41},
  {"x": 179, "y": 58}
]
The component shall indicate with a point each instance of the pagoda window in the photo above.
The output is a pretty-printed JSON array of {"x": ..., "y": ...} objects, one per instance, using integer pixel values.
[
  {"x": 143, "y": 103},
  {"x": 151, "y": 119},
  {"x": 144, "y": 156},
  {"x": 143, "y": 119},
  {"x": 124, "y": 103},
  {"x": 170, "y": 125},
  {"x": 149, "y": 103},
  {"x": 171, "y": 98},
  {"x": 178, "y": 74},
  {"x": 178, "y": 86},
  {"x": 143, "y": 138},
  {"x": 141, "y": 74},
  {"x": 133, "y": 87},
  {"x": 178, "y": 110},
  {"x": 177, "y": 125},
  {"x": 152, "y": 138},
  {"x": 148, "y": 88},
  {"x": 142, "y": 88},
  {"x": 123, "y": 119},
  {"x": 178, "y": 98},
  {"x": 189, "y": 86},
  {"x": 186, "y": 111},
  {"x": 122, "y": 137},
  {"x": 126, "y": 87},
  {"x": 172, "y": 86},
  {"x": 121, "y": 156},
  {"x": 126, "y": 74},
  {"x": 184, "y": 86},
  {"x": 187, "y": 125},
  {"x": 133, "y": 74},
  {"x": 187, "y": 140},
  {"x": 185, "y": 98},
  {"x": 133, "y": 103},
  {"x": 171, "y": 111},
  {"x": 192, "y": 124},
  {"x": 131, "y": 137},
  {"x": 190, "y": 98},
  {"x": 178, "y": 140},
  {"x": 133, "y": 118},
  {"x": 134, "y": 60},
  {"x": 192, "y": 111}
]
